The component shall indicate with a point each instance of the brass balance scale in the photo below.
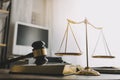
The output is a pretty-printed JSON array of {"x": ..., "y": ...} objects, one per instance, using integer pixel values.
[{"x": 87, "y": 70}]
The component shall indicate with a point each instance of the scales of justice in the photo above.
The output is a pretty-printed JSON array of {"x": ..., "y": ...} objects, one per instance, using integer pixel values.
[{"x": 87, "y": 70}]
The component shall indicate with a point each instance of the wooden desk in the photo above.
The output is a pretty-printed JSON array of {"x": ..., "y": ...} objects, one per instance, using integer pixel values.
[{"x": 4, "y": 75}]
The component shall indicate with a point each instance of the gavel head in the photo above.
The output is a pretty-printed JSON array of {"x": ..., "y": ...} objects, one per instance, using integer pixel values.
[{"x": 39, "y": 52}]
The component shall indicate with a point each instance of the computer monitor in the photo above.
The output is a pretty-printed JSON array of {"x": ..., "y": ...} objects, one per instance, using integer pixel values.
[{"x": 25, "y": 34}]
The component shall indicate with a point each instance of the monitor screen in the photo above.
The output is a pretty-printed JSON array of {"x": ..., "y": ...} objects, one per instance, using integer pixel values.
[{"x": 25, "y": 34}]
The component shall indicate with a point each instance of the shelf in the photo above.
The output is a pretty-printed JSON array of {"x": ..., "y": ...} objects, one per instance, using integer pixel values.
[
  {"x": 2, "y": 45},
  {"x": 6, "y": 0},
  {"x": 3, "y": 13}
]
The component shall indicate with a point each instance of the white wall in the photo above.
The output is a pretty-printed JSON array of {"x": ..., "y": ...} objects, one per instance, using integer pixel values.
[
  {"x": 101, "y": 13},
  {"x": 38, "y": 12}
]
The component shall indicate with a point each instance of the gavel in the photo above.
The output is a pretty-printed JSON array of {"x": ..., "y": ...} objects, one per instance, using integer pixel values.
[{"x": 39, "y": 53}]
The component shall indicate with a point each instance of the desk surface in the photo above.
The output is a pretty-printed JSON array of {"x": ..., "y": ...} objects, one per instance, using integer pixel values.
[{"x": 4, "y": 75}]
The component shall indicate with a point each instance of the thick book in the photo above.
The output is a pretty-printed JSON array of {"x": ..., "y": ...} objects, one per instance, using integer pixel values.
[{"x": 47, "y": 69}]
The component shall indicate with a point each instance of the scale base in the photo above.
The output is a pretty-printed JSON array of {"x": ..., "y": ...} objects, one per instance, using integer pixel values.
[{"x": 88, "y": 72}]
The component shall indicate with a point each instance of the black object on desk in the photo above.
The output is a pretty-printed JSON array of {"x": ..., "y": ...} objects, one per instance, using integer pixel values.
[
  {"x": 108, "y": 70},
  {"x": 54, "y": 60}
]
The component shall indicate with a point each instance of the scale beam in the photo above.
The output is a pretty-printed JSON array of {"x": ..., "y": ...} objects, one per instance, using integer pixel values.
[{"x": 73, "y": 22}]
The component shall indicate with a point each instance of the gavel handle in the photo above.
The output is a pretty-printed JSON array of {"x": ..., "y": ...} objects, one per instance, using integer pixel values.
[{"x": 16, "y": 59}]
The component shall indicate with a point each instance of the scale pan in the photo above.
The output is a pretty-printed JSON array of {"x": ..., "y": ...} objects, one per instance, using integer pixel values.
[
  {"x": 103, "y": 56},
  {"x": 68, "y": 54}
]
